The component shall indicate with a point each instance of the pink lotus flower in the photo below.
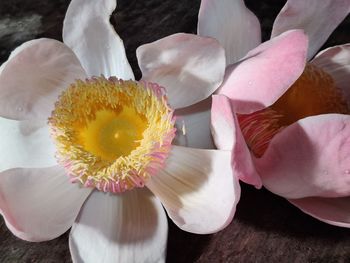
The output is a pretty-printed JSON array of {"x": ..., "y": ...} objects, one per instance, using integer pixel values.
[
  {"x": 112, "y": 137},
  {"x": 298, "y": 135},
  {"x": 249, "y": 65}
]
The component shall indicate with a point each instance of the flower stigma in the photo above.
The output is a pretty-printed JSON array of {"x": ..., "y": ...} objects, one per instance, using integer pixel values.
[
  {"x": 112, "y": 134},
  {"x": 314, "y": 93}
]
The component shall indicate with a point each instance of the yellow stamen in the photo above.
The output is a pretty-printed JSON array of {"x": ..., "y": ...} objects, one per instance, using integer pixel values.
[
  {"x": 312, "y": 94},
  {"x": 112, "y": 134}
]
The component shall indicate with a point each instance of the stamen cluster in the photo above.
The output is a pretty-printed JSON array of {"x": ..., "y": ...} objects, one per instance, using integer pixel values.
[{"x": 77, "y": 107}]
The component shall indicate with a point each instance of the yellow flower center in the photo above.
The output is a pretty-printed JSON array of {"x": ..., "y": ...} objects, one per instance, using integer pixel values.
[
  {"x": 312, "y": 94},
  {"x": 112, "y": 134}
]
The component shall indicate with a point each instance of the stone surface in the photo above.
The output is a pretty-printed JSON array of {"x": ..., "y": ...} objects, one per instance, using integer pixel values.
[{"x": 266, "y": 228}]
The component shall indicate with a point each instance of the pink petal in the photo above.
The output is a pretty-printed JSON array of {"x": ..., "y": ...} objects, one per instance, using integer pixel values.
[
  {"x": 193, "y": 126},
  {"x": 39, "y": 204},
  {"x": 309, "y": 158},
  {"x": 34, "y": 76},
  {"x": 334, "y": 211},
  {"x": 130, "y": 227},
  {"x": 25, "y": 144},
  {"x": 266, "y": 72},
  {"x": 190, "y": 67},
  {"x": 198, "y": 189},
  {"x": 317, "y": 18},
  {"x": 227, "y": 136},
  {"x": 88, "y": 32},
  {"x": 336, "y": 61},
  {"x": 232, "y": 24}
]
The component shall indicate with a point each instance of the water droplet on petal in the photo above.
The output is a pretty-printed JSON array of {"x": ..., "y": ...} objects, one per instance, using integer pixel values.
[
  {"x": 19, "y": 109},
  {"x": 250, "y": 83},
  {"x": 325, "y": 172},
  {"x": 347, "y": 171}
]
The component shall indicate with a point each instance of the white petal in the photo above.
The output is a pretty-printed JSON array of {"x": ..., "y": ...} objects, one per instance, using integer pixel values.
[
  {"x": 18, "y": 50},
  {"x": 198, "y": 189},
  {"x": 39, "y": 204},
  {"x": 33, "y": 77},
  {"x": 336, "y": 61},
  {"x": 25, "y": 144},
  {"x": 130, "y": 227},
  {"x": 317, "y": 18},
  {"x": 190, "y": 67},
  {"x": 232, "y": 24},
  {"x": 87, "y": 30},
  {"x": 193, "y": 126}
]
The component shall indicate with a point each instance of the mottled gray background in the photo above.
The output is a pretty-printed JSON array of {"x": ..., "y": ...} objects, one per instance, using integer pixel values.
[{"x": 266, "y": 228}]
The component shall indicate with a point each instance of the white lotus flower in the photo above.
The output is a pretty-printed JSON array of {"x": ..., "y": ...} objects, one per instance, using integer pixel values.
[{"x": 112, "y": 138}]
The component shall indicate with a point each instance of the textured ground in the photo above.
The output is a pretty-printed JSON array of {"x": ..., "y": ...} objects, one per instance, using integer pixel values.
[{"x": 266, "y": 228}]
